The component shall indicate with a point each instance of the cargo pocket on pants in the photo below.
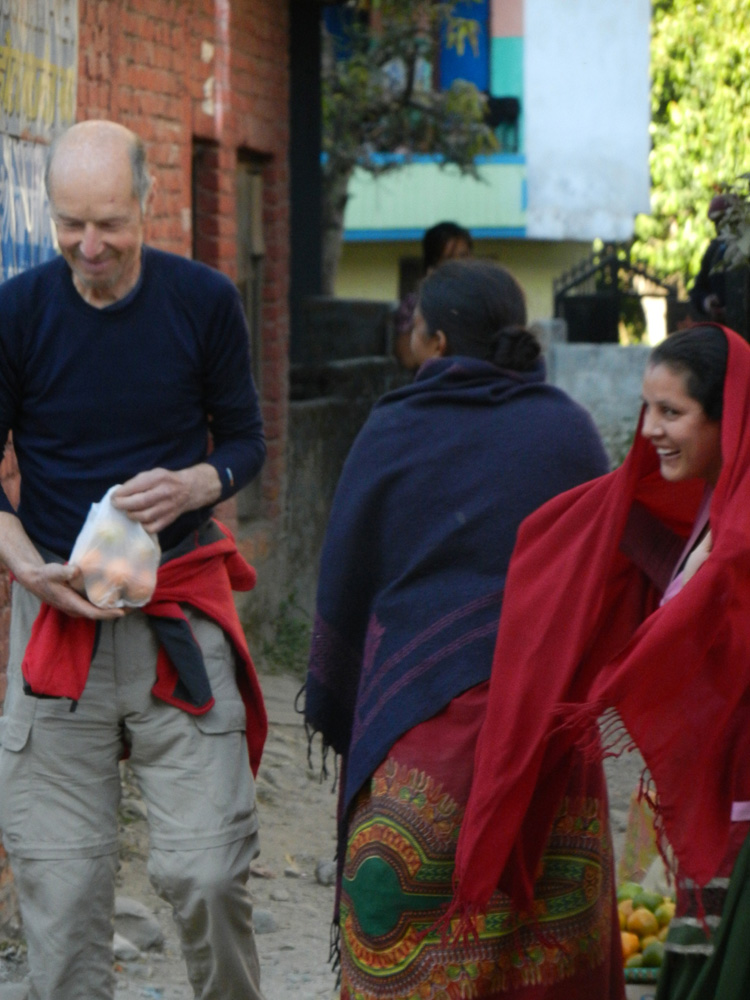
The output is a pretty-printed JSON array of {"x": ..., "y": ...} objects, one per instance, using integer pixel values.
[
  {"x": 198, "y": 784},
  {"x": 14, "y": 733},
  {"x": 230, "y": 787},
  {"x": 15, "y": 780},
  {"x": 223, "y": 717}
]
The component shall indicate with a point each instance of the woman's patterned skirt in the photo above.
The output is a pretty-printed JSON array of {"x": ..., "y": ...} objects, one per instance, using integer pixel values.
[{"x": 398, "y": 872}]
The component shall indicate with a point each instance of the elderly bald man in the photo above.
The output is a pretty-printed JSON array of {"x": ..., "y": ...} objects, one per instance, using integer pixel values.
[{"x": 114, "y": 358}]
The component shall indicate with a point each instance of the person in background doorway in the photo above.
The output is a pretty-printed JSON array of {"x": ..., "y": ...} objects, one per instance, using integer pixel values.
[{"x": 444, "y": 241}]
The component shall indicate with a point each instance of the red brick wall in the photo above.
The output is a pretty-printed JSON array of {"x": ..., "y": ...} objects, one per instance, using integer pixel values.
[
  {"x": 212, "y": 70},
  {"x": 174, "y": 70}
]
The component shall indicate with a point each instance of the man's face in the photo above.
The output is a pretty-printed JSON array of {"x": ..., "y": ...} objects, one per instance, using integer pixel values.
[{"x": 99, "y": 223}]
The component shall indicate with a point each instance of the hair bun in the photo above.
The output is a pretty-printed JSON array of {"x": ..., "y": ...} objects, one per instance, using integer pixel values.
[{"x": 517, "y": 348}]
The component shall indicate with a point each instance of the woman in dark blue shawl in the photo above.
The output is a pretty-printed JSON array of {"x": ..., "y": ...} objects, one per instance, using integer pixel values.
[{"x": 411, "y": 581}]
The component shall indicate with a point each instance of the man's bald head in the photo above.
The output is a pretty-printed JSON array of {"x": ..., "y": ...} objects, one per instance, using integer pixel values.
[
  {"x": 98, "y": 189},
  {"x": 100, "y": 141}
]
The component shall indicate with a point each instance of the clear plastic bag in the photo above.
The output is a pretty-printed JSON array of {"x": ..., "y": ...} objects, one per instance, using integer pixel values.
[{"x": 117, "y": 556}]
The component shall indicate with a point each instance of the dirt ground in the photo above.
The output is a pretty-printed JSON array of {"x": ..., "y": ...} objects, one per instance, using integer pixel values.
[{"x": 292, "y": 904}]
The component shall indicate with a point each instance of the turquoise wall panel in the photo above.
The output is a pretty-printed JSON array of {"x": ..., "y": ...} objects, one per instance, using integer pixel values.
[
  {"x": 506, "y": 67},
  {"x": 506, "y": 80}
]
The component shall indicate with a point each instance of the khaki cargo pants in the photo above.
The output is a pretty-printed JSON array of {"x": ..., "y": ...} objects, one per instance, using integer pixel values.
[{"x": 59, "y": 796}]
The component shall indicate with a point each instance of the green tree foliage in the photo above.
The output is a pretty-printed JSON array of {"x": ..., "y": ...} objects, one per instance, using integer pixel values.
[
  {"x": 700, "y": 125},
  {"x": 378, "y": 98}
]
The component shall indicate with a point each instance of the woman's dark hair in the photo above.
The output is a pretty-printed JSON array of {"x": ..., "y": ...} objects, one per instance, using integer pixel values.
[
  {"x": 700, "y": 354},
  {"x": 481, "y": 309},
  {"x": 437, "y": 238}
]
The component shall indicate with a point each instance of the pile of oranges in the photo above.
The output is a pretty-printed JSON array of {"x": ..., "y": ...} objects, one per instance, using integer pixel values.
[{"x": 644, "y": 924}]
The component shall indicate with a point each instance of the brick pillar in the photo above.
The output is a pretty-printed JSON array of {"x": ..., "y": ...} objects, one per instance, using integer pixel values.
[{"x": 10, "y": 482}]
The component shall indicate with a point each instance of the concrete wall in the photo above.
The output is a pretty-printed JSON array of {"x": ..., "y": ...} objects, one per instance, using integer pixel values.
[
  {"x": 586, "y": 117},
  {"x": 606, "y": 379},
  {"x": 321, "y": 432}
]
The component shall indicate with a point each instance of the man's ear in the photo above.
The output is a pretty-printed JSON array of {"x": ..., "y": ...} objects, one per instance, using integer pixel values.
[
  {"x": 441, "y": 344},
  {"x": 150, "y": 198},
  {"x": 146, "y": 211}
]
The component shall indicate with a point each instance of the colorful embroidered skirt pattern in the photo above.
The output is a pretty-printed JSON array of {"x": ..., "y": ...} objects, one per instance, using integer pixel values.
[{"x": 397, "y": 882}]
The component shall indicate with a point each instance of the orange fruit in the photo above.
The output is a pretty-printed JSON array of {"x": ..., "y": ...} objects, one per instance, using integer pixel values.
[
  {"x": 648, "y": 940},
  {"x": 140, "y": 586},
  {"x": 118, "y": 572},
  {"x": 101, "y": 593},
  {"x": 630, "y": 944},
  {"x": 90, "y": 561},
  {"x": 625, "y": 908},
  {"x": 642, "y": 922}
]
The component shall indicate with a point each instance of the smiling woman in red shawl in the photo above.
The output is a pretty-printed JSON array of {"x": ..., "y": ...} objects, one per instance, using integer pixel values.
[
  {"x": 411, "y": 582},
  {"x": 605, "y": 615}
]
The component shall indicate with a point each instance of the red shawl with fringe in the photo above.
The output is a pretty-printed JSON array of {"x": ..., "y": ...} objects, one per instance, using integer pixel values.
[{"x": 581, "y": 632}]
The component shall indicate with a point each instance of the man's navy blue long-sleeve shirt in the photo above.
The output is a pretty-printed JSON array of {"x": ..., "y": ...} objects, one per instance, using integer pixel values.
[{"x": 95, "y": 396}]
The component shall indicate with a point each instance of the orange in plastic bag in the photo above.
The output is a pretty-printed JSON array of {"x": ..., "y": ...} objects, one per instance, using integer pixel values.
[{"x": 117, "y": 556}]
